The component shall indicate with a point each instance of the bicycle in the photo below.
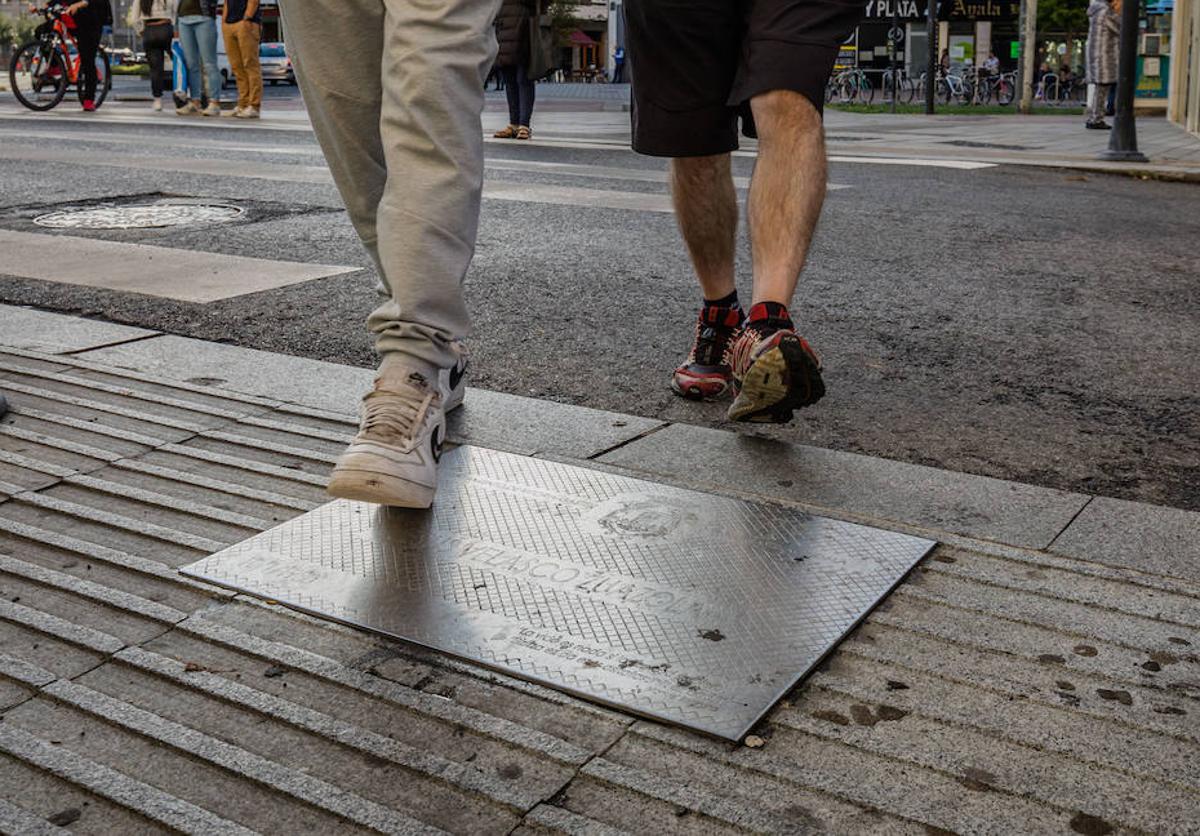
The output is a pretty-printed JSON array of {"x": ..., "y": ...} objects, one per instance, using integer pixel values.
[
  {"x": 41, "y": 70},
  {"x": 905, "y": 88},
  {"x": 850, "y": 85},
  {"x": 1002, "y": 85},
  {"x": 954, "y": 86}
]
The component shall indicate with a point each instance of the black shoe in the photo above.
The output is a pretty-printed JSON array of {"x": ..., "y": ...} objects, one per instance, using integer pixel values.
[
  {"x": 3, "y": 406},
  {"x": 1098, "y": 126}
]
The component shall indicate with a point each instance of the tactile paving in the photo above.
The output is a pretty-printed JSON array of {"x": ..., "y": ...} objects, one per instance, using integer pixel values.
[{"x": 690, "y": 608}]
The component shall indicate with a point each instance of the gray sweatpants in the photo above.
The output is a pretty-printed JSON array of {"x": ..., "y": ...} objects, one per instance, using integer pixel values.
[{"x": 394, "y": 89}]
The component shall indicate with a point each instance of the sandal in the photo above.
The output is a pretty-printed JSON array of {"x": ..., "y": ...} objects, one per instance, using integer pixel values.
[
  {"x": 524, "y": 133},
  {"x": 506, "y": 133}
]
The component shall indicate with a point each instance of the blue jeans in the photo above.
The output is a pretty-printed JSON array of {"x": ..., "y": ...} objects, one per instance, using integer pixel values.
[
  {"x": 198, "y": 38},
  {"x": 521, "y": 93}
]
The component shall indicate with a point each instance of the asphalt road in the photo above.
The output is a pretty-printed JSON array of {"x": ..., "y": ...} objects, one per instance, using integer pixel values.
[{"x": 1023, "y": 323}]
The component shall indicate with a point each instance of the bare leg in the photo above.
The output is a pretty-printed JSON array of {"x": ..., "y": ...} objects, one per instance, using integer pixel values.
[
  {"x": 707, "y": 212},
  {"x": 786, "y": 193}
]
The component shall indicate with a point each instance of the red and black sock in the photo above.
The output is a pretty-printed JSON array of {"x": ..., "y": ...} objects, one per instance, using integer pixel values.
[
  {"x": 768, "y": 317},
  {"x": 724, "y": 311}
]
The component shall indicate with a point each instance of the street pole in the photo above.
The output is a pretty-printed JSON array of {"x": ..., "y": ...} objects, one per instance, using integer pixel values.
[
  {"x": 932, "y": 63},
  {"x": 892, "y": 43},
  {"x": 1122, "y": 144},
  {"x": 1028, "y": 53}
]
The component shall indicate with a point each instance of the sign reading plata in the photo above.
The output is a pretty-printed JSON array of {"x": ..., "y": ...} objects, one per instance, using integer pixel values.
[{"x": 690, "y": 608}]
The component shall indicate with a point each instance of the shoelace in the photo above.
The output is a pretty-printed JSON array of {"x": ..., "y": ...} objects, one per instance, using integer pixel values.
[
  {"x": 394, "y": 412},
  {"x": 710, "y": 346}
]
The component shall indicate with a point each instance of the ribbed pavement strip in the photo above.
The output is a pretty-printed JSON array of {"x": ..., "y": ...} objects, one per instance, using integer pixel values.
[
  {"x": 462, "y": 776},
  {"x": 242, "y": 464},
  {"x": 313, "y": 664},
  {"x": 144, "y": 799},
  {"x": 37, "y": 465},
  {"x": 235, "y": 760},
  {"x": 124, "y": 390},
  {"x": 91, "y": 427},
  {"x": 11, "y": 386},
  {"x": 133, "y": 604},
  {"x": 142, "y": 527},
  {"x": 270, "y": 446},
  {"x": 87, "y": 450},
  {"x": 112, "y": 557},
  {"x": 14, "y": 819},
  {"x": 660, "y": 787},
  {"x": 558, "y": 820},
  {"x": 161, "y": 500},
  {"x": 82, "y": 364},
  {"x": 24, "y": 672},
  {"x": 220, "y": 485},
  {"x": 59, "y": 628}
]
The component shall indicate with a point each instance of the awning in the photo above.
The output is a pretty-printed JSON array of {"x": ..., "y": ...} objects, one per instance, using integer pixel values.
[{"x": 578, "y": 38}]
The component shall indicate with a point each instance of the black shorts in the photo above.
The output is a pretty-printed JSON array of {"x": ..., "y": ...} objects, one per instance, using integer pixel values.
[{"x": 697, "y": 63}]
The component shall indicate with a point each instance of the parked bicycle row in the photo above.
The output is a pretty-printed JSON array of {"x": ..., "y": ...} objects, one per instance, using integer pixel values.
[{"x": 963, "y": 87}]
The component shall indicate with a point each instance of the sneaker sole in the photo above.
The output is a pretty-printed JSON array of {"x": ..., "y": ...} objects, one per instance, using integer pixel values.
[
  {"x": 379, "y": 489},
  {"x": 694, "y": 392},
  {"x": 770, "y": 392}
]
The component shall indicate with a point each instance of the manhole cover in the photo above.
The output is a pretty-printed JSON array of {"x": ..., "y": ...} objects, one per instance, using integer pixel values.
[
  {"x": 145, "y": 216},
  {"x": 696, "y": 609}
]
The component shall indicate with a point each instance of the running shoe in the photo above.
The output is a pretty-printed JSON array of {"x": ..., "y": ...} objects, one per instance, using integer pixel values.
[
  {"x": 393, "y": 459},
  {"x": 705, "y": 375},
  {"x": 773, "y": 374}
]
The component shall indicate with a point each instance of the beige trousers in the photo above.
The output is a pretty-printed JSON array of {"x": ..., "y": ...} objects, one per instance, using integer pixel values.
[
  {"x": 394, "y": 90},
  {"x": 241, "y": 45}
]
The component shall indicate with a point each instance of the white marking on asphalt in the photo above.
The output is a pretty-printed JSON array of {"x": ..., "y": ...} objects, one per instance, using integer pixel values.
[{"x": 186, "y": 275}]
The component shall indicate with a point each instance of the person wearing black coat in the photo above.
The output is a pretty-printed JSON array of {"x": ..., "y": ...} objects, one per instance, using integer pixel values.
[
  {"x": 513, "y": 59},
  {"x": 91, "y": 16}
]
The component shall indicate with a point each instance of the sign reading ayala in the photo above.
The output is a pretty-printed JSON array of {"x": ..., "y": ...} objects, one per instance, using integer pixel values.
[{"x": 947, "y": 9}]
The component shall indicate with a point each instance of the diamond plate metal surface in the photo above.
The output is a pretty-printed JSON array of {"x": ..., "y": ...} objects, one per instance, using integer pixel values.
[
  {"x": 682, "y": 606},
  {"x": 145, "y": 216}
]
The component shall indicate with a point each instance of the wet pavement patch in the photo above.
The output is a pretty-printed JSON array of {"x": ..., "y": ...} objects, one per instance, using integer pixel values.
[{"x": 673, "y": 604}]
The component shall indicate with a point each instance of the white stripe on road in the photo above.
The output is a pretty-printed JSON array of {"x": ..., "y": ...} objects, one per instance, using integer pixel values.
[
  {"x": 300, "y": 123},
  {"x": 186, "y": 275},
  {"x": 522, "y": 192}
]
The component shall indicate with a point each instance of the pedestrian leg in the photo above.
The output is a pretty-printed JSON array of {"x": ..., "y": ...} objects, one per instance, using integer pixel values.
[
  {"x": 707, "y": 213},
  {"x": 512, "y": 94},
  {"x": 787, "y": 191},
  {"x": 528, "y": 91},
  {"x": 249, "y": 39},
  {"x": 191, "y": 57},
  {"x": 89, "y": 43},
  {"x": 234, "y": 52}
]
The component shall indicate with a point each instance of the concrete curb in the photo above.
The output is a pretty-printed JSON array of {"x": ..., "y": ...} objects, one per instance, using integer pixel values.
[{"x": 942, "y": 504}]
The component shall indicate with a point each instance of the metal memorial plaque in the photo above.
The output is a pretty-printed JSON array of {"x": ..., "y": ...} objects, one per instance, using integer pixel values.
[{"x": 686, "y": 607}]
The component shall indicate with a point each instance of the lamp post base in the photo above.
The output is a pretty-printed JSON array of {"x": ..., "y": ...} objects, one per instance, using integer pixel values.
[{"x": 1124, "y": 156}]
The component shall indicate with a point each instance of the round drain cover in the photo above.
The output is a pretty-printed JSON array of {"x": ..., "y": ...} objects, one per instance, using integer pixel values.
[{"x": 145, "y": 216}]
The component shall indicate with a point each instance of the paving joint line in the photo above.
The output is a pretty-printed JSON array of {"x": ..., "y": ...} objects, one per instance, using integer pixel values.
[
  {"x": 626, "y": 442},
  {"x": 1070, "y": 522},
  {"x": 126, "y": 341}
]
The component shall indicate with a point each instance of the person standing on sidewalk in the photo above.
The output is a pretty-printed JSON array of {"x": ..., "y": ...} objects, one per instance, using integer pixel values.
[
  {"x": 154, "y": 21},
  {"x": 1104, "y": 37},
  {"x": 512, "y": 35},
  {"x": 394, "y": 90},
  {"x": 91, "y": 16},
  {"x": 196, "y": 20},
  {"x": 242, "y": 30},
  {"x": 766, "y": 62}
]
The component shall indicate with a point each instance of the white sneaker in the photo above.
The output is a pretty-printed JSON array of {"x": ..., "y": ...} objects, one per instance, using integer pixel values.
[
  {"x": 189, "y": 109},
  {"x": 247, "y": 113},
  {"x": 452, "y": 381},
  {"x": 236, "y": 112},
  {"x": 393, "y": 459},
  {"x": 213, "y": 109},
  {"x": 157, "y": 106}
]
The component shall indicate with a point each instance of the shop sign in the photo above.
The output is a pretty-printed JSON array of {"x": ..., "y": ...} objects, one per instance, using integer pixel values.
[{"x": 947, "y": 9}]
